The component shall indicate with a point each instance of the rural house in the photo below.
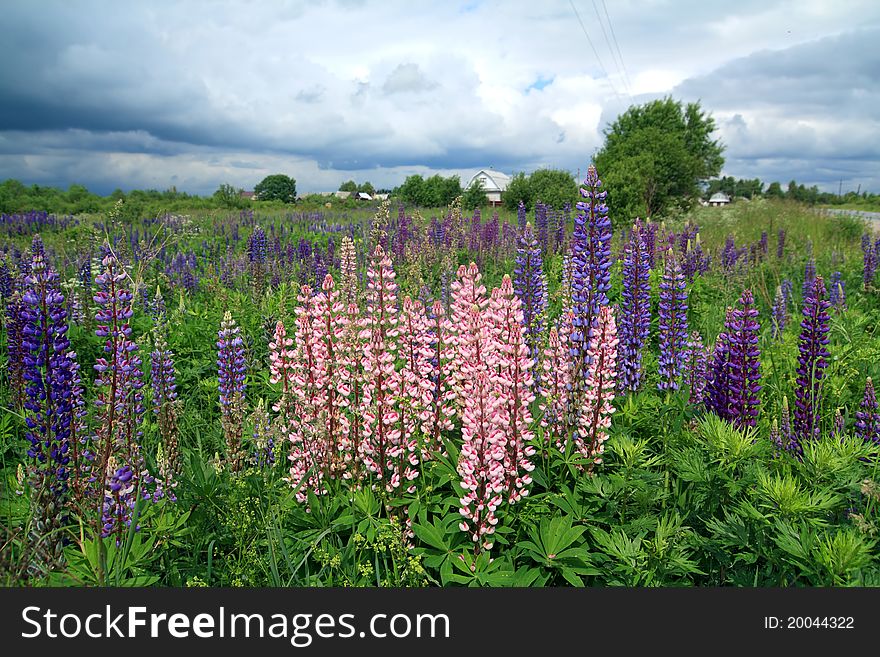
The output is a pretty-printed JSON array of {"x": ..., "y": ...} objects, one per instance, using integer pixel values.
[
  {"x": 719, "y": 199},
  {"x": 494, "y": 184}
]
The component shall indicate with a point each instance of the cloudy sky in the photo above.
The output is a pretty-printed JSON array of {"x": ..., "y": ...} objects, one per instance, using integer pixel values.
[{"x": 194, "y": 94}]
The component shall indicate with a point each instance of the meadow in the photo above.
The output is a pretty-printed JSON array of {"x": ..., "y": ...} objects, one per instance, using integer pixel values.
[{"x": 386, "y": 396}]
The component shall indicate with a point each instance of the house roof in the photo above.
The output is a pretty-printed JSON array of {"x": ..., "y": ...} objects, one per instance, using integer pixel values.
[
  {"x": 493, "y": 181},
  {"x": 363, "y": 196},
  {"x": 719, "y": 197}
]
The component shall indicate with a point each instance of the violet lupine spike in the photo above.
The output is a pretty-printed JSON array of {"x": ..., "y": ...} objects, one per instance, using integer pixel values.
[
  {"x": 779, "y": 313},
  {"x": 696, "y": 369},
  {"x": 6, "y": 280},
  {"x": 786, "y": 433},
  {"x": 836, "y": 292},
  {"x": 744, "y": 363},
  {"x": 49, "y": 369},
  {"x": 635, "y": 320},
  {"x": 119, "y": 385},
  {"x": 231, "y": 375},
  {"x": 119, "y": 500},
  {"x": 787, "y": 293},
  {"x": 529, "y": 287},
  {"x": 776, "y": 435},
  {"x": 837, "y": 428},
  {"x": 717, "y": 390},
  {"x": 869, "y": 270},
  {"x": 165, "y": 406},
  {"x": 15, "y": 349},
  {"x": 672, "y": 311},
  {"x": 813, "y": 359},
  {"x": 867, "y": 425},
  {"x": 780, "y": 244},
  {"x": 541, "y": 225},
  {"x": 809, "y": 276},
  {"x": 262, "y": 438},
  {"x": 591, "y": 279},
  {"x": 521, "y": 216}
]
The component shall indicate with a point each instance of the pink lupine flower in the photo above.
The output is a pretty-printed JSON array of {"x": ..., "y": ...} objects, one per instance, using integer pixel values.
[
  {"x": 556, "y": 368},
  {"x": 348, "y": 269},
  {"x": 514, "y": 383},
  {"x": 351, "y": 362},
  {"x": 307, "y": 381},
  {"x": 415, "y": 390},
  {"x": 442, "y": 398},
  {"x": 601, "y": 374},
  {"x": 330, "y": 322},
  {"x": 467, "y": 292},
  {"x": 386, "y": 452},
  {"x": 481, "y": 462}
]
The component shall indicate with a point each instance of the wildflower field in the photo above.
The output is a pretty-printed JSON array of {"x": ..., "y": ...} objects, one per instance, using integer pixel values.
[{"x": 399, "y": 397}]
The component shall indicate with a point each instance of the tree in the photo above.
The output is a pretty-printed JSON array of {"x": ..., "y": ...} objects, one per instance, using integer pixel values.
[
  {"x": 367, "y": 188},
  {"x": 474, "y": 196},
  {"x": 553, "y": 187},
  {"x": 656, "y": 156},
  {"x": 348, "y": 186},
  {"x": 518, "y": 189},
  {"x": 228, "y": 196},
  {"x": 775, "y": 190},
  {"x": 412, "y": 191},
  {"x": 277, "y": 187}
]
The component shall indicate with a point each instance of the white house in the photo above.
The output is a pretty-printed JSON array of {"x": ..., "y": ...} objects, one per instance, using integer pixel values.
[
  {"x": 718, "y": 199},
  {"x": 493, "y": 182}
]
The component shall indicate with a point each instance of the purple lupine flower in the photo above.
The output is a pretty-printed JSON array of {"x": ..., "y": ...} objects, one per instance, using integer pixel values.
[
  {"x": 763, "y": 246},
  {"x": 119, "y": 383},
  {"x": 812, "y": 359},
  {"x": 786, "y": 432},
  {"x": 650, "y": 237},
  {"x": 717, "y": 388},
  {"x": 232, "y": 373},
  {"x": 780, "y": 243},
  {"x": 868, "y": 417},
  {"x": 836, "y": 292},
  {"x": 521, "y": 216},
  {"x": 119, "y": 501},
  {"x": 779, "y": 313},
  {"x": 809, "y": 276},
  {"x": 591, "y": 259},
  {"x": 744, "y": 363},
  {"x": 48, "y": 371},
  {"x": 528, "y": 284},
  {"x": 542, "y": 226},
  {"x": 672, "y": 311},
  {"x": 263, "y": 439},
  {"x": 776, "y": 435},
  {"x": 165, "y": 408},
  {"x": 787, "y": 293},
  {"x": 6, "y": 279},
  {"x": 869, "y": 270},
  {"x": 837, "y": 427},
  {"x": 635, "y": 316},
  {"x": 15, "y": 350},
  {"x": 696, "y": 369}
]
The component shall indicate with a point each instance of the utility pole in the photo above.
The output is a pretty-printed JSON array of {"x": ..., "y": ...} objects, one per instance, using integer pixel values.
[{"x": 840, "y": 189}]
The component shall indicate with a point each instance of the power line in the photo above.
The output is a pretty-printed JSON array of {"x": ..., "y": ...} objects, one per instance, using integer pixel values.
[
  {"x": 616, "y": 45},
  {"x": 598, "y": 59},
  {"x": 611, "y": 50}
]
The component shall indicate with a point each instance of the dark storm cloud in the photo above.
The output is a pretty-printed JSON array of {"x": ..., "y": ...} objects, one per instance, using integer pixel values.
[{"x": 210, "y": 91}]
